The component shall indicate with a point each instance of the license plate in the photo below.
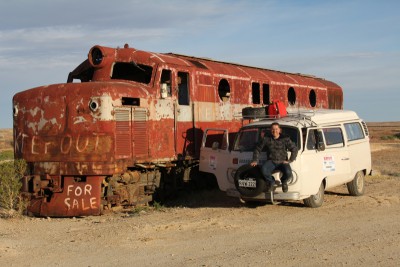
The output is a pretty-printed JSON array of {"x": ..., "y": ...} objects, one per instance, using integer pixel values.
[{"x": 247, "y": 183}]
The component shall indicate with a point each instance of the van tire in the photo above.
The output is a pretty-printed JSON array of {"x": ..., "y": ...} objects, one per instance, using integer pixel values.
[
  {"x": 356, "y": 186},
  {"x": 251, "y": 112},
  {"x": 247, "y": 171},
  {"x": 315, "y": 201}
]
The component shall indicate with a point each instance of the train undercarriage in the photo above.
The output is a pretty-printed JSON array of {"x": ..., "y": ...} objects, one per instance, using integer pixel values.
[{"x": 67, "y": 196}]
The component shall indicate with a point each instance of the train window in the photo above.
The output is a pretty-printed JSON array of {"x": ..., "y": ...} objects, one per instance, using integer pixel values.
[
  {"x": 130, "y": 101},
  {"x": 255, "y": 93},
  {"x": 183, "y": 88},
  {"x": 291, "y": 96},
  {"x": 266, "y": 99},
  {"x": 224, "y": 90},
  {"x": 313, "y": 98},
  {"x": 132, "y": 72},
  {"x": 165, "y": 83}
]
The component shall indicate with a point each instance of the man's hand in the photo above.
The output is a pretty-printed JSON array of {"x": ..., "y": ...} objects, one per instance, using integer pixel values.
[{"x": 253, "y": 164}]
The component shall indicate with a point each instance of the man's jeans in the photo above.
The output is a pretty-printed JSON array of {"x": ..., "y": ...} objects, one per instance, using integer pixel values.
[{"x": 269, "y": 166}]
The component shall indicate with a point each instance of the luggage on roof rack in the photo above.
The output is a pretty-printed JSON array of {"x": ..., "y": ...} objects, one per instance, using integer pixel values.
[
  {"x": 254, "y": 113},
  {"x": 277, "y": 109}
]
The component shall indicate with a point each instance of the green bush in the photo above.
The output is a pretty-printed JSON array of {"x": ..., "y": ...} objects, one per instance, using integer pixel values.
[
  {"x": 11, "y": 173},
  {"x": 6, "y": 155}
]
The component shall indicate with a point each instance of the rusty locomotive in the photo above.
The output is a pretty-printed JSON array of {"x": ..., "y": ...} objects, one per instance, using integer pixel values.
[{"x": 128, "y": 124}]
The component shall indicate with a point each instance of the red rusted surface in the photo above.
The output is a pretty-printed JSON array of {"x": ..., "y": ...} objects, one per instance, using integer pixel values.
[
  {"x": 141, "y": 115},
  {"x": 77, "y": 198}
]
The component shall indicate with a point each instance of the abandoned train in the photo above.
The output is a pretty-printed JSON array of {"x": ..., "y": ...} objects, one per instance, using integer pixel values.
[{"x": 128, "y": 124}]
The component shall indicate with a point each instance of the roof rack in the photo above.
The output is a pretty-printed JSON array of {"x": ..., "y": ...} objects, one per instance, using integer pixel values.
[{"x": 303, "y": 117}]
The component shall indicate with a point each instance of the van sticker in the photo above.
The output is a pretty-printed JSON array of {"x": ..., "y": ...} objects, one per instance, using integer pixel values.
[
  {"x": 213, "y": 162},
  {"x": 328, "y": 164}
]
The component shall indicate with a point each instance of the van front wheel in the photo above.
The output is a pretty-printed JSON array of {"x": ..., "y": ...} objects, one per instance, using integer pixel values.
[
  {"x": 316, "y": 200},
  {"x": 356, "y": 186}
]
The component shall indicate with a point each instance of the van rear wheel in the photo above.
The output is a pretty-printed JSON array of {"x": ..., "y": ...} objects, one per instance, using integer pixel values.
[
  {"x": 316, "y": 200},
  {"x": 356, "y": 186}
]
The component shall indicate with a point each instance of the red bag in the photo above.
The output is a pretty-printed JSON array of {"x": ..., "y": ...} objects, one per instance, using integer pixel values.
[{"x": 277, "y": 109}]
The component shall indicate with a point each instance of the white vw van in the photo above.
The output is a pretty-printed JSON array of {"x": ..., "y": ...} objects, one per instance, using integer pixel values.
[{"x": 333, "y": 150}]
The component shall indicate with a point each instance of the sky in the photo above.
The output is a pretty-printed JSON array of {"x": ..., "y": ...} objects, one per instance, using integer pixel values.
[{"x": 355, "y": 44}]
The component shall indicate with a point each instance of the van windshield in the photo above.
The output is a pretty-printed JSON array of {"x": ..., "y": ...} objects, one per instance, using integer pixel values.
[{"x": 248, "y": 137}]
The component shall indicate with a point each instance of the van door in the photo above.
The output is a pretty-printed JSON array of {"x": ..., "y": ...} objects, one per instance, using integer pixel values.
[
  {"x": 215, "y": 156},
  {"x": 335, "y": 158},
  {"x": 329, "y": 159},
  {"x": 310, "y": 162}
]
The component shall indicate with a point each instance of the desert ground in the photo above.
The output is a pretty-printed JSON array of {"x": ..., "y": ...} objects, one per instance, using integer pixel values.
[{"x": 207, "y": 228}]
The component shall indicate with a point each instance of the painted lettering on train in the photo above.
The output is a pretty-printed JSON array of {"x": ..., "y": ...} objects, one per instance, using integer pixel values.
[{"x": 80, "y": 198}]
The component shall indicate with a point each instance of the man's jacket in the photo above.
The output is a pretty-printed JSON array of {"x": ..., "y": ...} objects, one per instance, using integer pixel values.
[{"x": 276, "y": 148}]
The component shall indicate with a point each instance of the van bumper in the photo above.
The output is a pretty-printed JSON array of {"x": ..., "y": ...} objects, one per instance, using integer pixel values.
[{"x": 232, "y": 192}]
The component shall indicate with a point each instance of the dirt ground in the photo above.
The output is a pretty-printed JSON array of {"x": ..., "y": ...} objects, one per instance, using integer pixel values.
[{"x": 210, "y": 229}]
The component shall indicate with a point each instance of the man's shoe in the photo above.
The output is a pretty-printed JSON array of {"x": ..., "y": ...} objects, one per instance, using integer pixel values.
[{"x": 285, "y": 187}]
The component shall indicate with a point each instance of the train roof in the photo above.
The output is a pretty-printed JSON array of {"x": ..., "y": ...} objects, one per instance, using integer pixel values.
[
  {"x": 274, "y": 76},
  {"x": 220, "y": 68}
]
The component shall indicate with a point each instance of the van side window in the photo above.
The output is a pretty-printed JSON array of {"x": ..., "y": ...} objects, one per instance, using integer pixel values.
[
  {"x": 353, "y": 131},
  {"x": 333, "y": 136},
  {"x": 312, "y": 140}
]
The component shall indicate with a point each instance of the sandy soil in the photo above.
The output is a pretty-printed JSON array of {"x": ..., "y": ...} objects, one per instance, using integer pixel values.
[{"x": 210, "y": 229}]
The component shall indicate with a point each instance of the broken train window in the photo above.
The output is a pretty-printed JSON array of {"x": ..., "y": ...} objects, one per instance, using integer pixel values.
[{"x": 132, "y": 72}]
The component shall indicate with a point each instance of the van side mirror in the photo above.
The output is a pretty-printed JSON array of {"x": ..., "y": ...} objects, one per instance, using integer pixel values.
[{"x": 320, "y": 141}]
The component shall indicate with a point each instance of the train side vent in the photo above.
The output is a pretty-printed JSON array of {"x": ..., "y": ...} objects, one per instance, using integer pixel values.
[
  {"x": 123, "y": 145},
  {"x": 141, "y": 139}
]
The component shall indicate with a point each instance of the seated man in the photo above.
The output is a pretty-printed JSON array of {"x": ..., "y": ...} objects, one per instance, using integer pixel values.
[{"x": 277, "y": 146}]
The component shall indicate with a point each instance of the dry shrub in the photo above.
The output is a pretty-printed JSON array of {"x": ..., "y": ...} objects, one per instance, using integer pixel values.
[
  {"x": 387, "y": 160},
  {"x": 384, "y": 132},
  {"x": 11, "y": 202}
]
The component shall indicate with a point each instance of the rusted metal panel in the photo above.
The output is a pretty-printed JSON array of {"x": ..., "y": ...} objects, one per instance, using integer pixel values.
[
  {"x": 78, "y": 198},
  {"x": 140, "y": 133},
  {"x": 123, "y": 145}
]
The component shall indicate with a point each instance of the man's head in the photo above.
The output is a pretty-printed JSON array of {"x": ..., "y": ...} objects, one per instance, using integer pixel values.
[{"x": 275, "y": 130}]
